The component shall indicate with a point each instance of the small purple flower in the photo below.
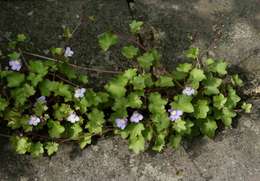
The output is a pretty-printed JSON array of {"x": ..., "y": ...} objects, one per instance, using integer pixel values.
[
  {"x": 15, "y": 65},
  {"x": 79, "y": 93},
  {"x": 136, "y": 117},
  {"x": 68, "y": 52},
  {"x": 42, "y": 99},
  {"x": 175, "y": 114},
  {"x": 188, "y": 91},
  {"x": 121, "y": 123},
  {"x": 73, "y": 117},
  {"x": 34, "y": 121}
]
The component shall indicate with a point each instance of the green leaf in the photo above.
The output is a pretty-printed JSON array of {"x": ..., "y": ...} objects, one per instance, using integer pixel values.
[
  {"x": 106, "y": 40},
  {"x": 55, "y": 129},
  {"x": 74, "y": 131},
  {"x": 232, "y": 98},
  {"x": 20, "y": 144},
  {"x": 192, "y": 53},
  {"x": 51, "y": 148},
  {"x": 56, "y": 51},
  {"x": 134, "y": 100},
  {"x": 218, "y": 67},
  {"x": 183, "y": 103},
  {"x": 209, "y": 127},
  {"x": 160, "y": 141},
  {"x": 36, "y": 149},
  {"x": 129, "y": 74},
  {"x": 148, "y": 133},
  {"x": 160, "y": 120},
  {"x": 67, "y": 70},
  {"x": 61, "y": 111},
  {"x": 135, "y": 26},
  {"x": 146, "y": 60},
  {"x": 21, "y": 94},
  {"x": 236, "y": 81},
  {"x": 21, "y": 37},
  {"x": 116, "y": 87},
  {"x": 85, "y": 140},
  {"x": 39, "y": 108},
  {"x": 179, "y": 126},
  {"x": 130, "y": 51},
  {"x": 138, "y": 82},
  {"x": 227, "y": 115},
  {"x": 3, "y": 104},
  {"x": 211, "y": 85},
  {"x": 201, "y": 108},
  {"x": 136, "y": 139},
  {"x": 246, "y": 107},
  {"x": 137, "y": 144},
  {"x": 184, "y": 67},
  {"x": 156, "y": 103},
  {"x": 197, "y": 75},
  {"x": 15, "y": 79},
  {"x": 179, "y": 75},
  {"x": 38, "y": 67},
  {"x": 148, "y": 80},
  {"x": 175, "y": 141},
  {"x": 96, "y": 121},
  {"x": 219, "y": 101},
  {"x": 14, "y": 56},
  {"x": 83, "y": 79},
  {"x": 82, "y": 105},
  {"x": 95, "y": 98},
  {"x": 164, "y": 81}
]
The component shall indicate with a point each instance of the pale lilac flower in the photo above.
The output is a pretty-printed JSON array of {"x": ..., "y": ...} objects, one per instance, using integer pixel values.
[
  {"x": 79, "y": 93},
  {"x": 34, "y": 121},
  {"x": 73, "y": 117},
  {"x": 175, "y": 114},
  {"x": 42, "y": 99},
  {"x": 68, "y": 52},
  {"x": 121, "y": 123},
  {"x": 188, "y": 91},
  {"x": 136, "y": 117},
  {"x": 15, "y": 65}
]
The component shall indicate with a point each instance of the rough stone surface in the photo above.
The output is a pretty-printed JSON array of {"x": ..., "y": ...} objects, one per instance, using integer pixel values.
[{"x": 223, "y": 28}]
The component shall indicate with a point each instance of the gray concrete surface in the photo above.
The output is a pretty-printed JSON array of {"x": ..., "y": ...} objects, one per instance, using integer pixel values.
[{"x": 222, "y": 28}]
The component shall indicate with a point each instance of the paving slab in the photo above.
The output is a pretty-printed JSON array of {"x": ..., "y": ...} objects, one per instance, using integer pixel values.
[{"x": 223, "y": 28}]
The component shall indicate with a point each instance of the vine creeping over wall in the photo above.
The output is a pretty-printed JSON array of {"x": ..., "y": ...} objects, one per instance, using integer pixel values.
[{"x": 45, "y": 102}]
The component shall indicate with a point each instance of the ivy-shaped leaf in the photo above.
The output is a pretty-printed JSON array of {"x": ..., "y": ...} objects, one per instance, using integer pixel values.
[
  {"x": 192, "y": 53},
  {"x": 55, "y": 129},
  {"x": 85, "y": 140},
  {"x": 164, "y": 81},
  {"x": 175, "y": 141},
  {"x": 232, "y": 98},
  {"x": 36, "y": 149},
  {"x": 96, "y": 121},
  {"x": 130, "y": 51},
  {"x": 218, "y": 67},
  {"x": 146, "y": 60},
  {"x": 51, "y": 148},
  {"x": 106, "y": 40},
  {"x": 15, "y": 79},
  {"x": 236, "y": 81},
  {"x": 247, "y": 107},
  {"x": 74, "y": 131},
  {"x": 211, "y": 85},
  {"x": 219, "y": 101},
  {"x": 183, "y": 103},
  {"x": 135, "y": 26},
  {"x": 160, "y": 141},
  {"x": 201, "y": 108},
  {"x": 21, "y": 145}
]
